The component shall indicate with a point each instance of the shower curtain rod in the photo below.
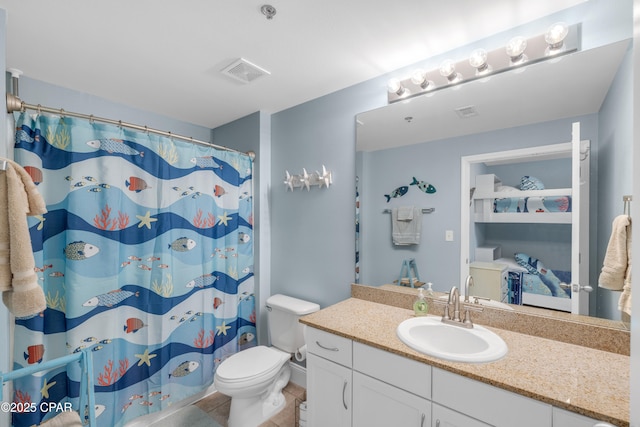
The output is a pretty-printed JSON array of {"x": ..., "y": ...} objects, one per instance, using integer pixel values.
[{"x": 16, "y": 104}]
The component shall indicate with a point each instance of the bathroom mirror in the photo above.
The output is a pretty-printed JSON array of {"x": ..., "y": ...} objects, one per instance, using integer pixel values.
[{"x": 425, "y": 137}]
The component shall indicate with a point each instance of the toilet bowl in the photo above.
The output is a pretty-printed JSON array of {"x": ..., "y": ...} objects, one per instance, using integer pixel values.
[{"x": 254, "y": 378}]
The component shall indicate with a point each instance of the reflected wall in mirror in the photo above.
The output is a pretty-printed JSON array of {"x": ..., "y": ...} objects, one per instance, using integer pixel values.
[{"x": 424, "y": 139}]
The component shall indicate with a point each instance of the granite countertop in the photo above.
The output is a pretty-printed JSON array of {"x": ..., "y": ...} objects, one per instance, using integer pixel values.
[{"x": 591, "y": 382}]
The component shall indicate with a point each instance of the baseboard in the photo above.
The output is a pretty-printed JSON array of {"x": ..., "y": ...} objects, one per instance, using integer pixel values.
[{"x": 298, "y": 375}]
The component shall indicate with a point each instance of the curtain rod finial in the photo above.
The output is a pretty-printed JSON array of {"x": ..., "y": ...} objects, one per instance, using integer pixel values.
[
  {"x": 251, "y": 154},
  {"x": 13, "y": 103}
]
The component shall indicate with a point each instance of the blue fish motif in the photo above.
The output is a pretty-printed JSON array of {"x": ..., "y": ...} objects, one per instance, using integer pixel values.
[
  {"x": 424, "y": 186},
  {"x": 185, "y": 368},
  {"x": 398, "y": 192},
  {"x": 23, "y": 136},
  {"x": 80, "y": 250},
  {"x": 205, "y": 162},
  {"x": 111, "y": 145},
  {"x": 110, "y": 298},
  {"x": 202, "y": 281},
  {"x": 183, "y": 244}
]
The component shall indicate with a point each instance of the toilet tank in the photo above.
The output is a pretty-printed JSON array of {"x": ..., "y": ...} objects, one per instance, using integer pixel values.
[{"x": 283, "y": 312}]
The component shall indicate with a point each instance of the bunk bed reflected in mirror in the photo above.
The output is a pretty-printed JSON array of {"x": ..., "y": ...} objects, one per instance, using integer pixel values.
[{"x": 515, "y": 110}]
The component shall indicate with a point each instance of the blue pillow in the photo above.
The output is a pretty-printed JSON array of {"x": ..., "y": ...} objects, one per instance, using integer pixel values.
[{"x": 531, "y": 183}]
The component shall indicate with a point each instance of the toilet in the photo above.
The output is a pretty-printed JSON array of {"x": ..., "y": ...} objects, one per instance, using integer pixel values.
[{"x": 254, "y": 378}]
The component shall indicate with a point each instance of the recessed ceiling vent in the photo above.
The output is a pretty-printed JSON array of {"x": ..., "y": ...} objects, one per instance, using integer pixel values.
[
  {"x": 244, "y": 71},
  {"x": 466, "y": 112}
]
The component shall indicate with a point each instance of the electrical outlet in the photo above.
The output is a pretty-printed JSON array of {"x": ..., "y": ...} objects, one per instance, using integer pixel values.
[{"x": 448, "y": 235}]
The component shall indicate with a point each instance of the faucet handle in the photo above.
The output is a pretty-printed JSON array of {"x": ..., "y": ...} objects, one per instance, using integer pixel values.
[{"x": 467, "y": 318}]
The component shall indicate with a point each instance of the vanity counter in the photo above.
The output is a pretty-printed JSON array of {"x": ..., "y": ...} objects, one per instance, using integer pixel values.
[{"x": 591, "y": 382}]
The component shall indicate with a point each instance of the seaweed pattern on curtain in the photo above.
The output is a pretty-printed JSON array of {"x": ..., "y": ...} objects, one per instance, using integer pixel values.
[{"x": 145, "y": 256}]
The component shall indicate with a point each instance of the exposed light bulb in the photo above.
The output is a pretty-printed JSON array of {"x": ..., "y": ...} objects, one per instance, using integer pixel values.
[
  {"x": 394, "y": 85},
  {"x": 419, "y": 78},
  {"x": 478, "y": 60},
  {"x": 555, "y": 36},
  {"x": 448, "y": 70},
  {"x": 515, "y": 50}
]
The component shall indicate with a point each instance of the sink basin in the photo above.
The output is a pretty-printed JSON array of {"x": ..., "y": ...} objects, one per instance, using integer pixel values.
[
  {"x": 486, "y": 302},
  {"x": 430, "y": 336}
]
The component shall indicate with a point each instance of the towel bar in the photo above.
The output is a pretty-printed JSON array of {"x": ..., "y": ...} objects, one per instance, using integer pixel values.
[{"x": 424, "y": 210}]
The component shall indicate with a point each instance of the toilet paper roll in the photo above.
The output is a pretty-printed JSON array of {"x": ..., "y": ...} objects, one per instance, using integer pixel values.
[{"x": 301, "y": 353}]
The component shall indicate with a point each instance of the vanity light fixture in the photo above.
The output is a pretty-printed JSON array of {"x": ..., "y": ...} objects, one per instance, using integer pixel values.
[
  {"x": 555, "y": 36},
  {"x": 448, "y": 70},
  {"x": 515, "y": 50},
  {"x": 478, "y": 60},
  {"x": 559, "y": 39}
]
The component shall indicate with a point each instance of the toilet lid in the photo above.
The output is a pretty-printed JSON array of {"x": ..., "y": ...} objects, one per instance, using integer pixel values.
[{"x": 252, "y": 362}]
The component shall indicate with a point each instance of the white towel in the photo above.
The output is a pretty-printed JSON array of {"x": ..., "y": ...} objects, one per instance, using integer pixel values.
[
  {"x": 616, "y": 269},
  {"x": 406, "y": 225}
]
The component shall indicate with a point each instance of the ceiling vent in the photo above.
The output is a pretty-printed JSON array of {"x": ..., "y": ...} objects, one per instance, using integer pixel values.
[
  {"x": 466, "y": 112},
  {"x": 244, "y": 71}
]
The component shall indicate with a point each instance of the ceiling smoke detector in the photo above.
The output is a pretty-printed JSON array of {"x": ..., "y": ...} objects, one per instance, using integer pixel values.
[
  {"x": 244, "y": 71},
  {"x": 268, "y": 11},
  {"x": 466, "y": 112}
]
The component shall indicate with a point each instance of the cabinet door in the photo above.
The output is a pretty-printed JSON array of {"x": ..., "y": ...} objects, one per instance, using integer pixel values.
[
  {"x": 328, "y": 393},
  {"x": 487, "y": 403},
  {"x": 445, "y": 417},
  {"x": 562, "y": 418},
  {"x": 377, "y": 404}
]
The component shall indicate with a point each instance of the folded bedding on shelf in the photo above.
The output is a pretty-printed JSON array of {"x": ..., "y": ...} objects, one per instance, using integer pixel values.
[{"x": 532, "y": 204}]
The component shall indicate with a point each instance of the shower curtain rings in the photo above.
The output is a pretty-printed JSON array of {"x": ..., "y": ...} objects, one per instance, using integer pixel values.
[{"x": 91, "y": 118}]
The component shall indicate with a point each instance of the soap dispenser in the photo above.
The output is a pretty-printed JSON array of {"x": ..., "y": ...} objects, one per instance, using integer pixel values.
[
  {"x": 429, "y": 289},
  {"x": 420, "y": 307}
]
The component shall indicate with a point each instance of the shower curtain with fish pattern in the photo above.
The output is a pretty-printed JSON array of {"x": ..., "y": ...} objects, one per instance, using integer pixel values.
[{"x": 145, "y": 257}]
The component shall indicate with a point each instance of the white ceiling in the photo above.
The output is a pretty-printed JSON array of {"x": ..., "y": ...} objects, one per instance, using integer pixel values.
[{"x": 165, "y": 56}]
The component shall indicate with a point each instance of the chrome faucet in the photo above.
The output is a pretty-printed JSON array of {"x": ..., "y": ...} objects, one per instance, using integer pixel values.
[
  {"x": 454, "y": 298},
  {"x": 467, "y": 284}
]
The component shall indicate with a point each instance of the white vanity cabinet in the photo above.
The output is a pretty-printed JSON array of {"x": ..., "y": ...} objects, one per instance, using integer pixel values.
[
  {"x": 329, "y": 379},
  {"x": 352, "y": 384},
  {"x": 562, "y": 418}
]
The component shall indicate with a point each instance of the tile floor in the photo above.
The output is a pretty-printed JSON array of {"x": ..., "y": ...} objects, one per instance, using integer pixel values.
[{"x": 217, "y": 407}]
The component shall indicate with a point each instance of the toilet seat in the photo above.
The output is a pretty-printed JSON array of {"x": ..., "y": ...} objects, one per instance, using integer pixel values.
[{"x": 251, "y": 364}]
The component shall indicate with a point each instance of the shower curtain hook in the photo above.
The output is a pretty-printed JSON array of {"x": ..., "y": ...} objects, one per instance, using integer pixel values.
[
  {"x": 39, "y": 109},
  {"x": 120, "y": 124},
  {"x": 91, "y": 118}
]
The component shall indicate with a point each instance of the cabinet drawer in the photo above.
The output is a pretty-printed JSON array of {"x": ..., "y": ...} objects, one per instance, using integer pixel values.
[
  {"x": 488, "y": 404},
  {"x": 329, "y": 346},
  {"x": 407, "y": 374}
]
